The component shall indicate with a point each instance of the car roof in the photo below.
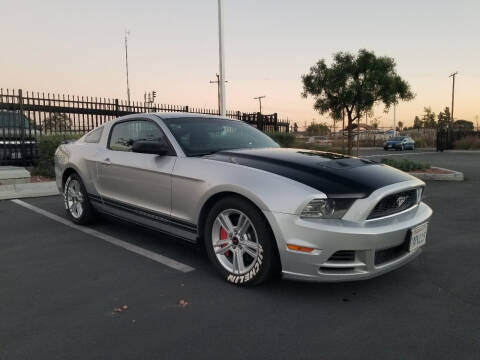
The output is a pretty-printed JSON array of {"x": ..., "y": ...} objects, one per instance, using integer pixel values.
[{"x": 173, "y": 115}]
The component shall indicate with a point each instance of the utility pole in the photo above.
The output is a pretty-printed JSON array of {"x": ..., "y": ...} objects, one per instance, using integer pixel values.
[
  {"x": 221, "y": 56},
  {"x": 127, "y": 32},
  {"x": 259, "y": 98},
  {"x": 394, "y": 119},
  {"x": 476, "y": 120},
  {"x": 218, "y": 90},
  {"x": 453, "y": 95}
]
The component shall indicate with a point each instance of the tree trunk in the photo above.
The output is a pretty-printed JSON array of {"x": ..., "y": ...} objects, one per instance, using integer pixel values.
[{"x": 350, "y": 135}]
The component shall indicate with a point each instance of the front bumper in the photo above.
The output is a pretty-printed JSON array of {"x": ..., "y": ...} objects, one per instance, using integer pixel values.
[
  {"x": 395, "y": 146},
  {"x": 378, "y": 246}
]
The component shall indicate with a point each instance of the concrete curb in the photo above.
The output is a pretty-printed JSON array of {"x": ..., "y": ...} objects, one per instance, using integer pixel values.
[
  {"x": 17, "y": 191},
  {"x": 453, "y": 176}
]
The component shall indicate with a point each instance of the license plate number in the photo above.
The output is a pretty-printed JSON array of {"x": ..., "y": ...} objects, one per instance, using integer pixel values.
[{"x": 419, "y": 236}]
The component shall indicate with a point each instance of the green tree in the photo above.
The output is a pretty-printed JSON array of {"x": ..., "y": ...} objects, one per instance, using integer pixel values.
[
  {"x": 444, "y": 118},
  {"x": 417, "y": 123},
  {"x": 318, "y": 129},
  {"x": 464, "y": 125},
  {"x": 429, "y": 118},
  {"x": 354, "y": 84},
  {"x": 57, "y": 122},
  {"x": 400, "y": 125}
]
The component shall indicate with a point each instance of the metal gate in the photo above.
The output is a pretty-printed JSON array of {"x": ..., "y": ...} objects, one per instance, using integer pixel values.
[{"x": 26, "y": 116}]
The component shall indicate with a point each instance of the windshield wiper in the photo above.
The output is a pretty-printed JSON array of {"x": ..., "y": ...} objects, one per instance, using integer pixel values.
[{"x": 205, "y": 153}]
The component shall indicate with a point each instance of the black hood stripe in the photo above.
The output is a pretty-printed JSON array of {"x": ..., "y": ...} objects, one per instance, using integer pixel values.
[{"x": 336, "y": 175}]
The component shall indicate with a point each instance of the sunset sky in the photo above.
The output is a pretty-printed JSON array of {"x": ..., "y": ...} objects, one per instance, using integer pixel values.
[{"x": 77, "y": 47}]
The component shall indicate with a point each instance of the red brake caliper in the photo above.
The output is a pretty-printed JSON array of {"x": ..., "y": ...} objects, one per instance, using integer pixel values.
[{"x": 224, "y": 236}]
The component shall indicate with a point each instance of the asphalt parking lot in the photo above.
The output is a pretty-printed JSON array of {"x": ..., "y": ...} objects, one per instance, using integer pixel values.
[{"x": 60, "y": 290}]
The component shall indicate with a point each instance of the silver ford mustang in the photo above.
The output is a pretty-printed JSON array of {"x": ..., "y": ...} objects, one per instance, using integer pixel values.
[{"x": 256, "y": 208}]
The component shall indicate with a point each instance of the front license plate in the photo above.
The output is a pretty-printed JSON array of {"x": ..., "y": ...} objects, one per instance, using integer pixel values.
[{"x": 419, "y": 236}]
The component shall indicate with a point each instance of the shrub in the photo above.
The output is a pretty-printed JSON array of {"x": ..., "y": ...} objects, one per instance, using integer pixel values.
[
  {"x": 468, "y": 143},
  {"x": 284, "y": 139},
  {"x": 46, "y": 146},
  {"x": 405, "y": 164}
]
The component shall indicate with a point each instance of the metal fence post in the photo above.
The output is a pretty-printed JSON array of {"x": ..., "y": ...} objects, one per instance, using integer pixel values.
[{"x": 259, "y": 121}]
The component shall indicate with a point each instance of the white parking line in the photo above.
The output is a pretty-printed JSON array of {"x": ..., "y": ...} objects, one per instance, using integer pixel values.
[
  {"x": 402, "y": 154},
  {"x": 110, "y": 239}
]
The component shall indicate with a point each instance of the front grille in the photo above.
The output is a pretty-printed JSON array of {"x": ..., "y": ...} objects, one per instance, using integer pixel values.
[
  {"x": 394, "y": 203},
  {"x": 343, "y": 255}
]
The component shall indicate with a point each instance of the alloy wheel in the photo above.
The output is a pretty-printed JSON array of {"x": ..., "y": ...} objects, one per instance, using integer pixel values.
[
  {"x": 75, "y": 199},
  {"x": 235, "y": 241}
]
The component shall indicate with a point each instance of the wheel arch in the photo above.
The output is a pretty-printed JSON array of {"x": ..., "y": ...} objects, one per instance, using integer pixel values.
[
  {"x": 214, "y": 198},
  {"x": 69, "y": 170}
]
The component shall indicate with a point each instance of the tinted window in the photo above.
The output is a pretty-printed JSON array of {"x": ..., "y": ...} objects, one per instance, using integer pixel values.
[
  {"x": 202, "y": 135},
  {"x": 124, "y": 134},
  {"x": 94, "y": 136}
]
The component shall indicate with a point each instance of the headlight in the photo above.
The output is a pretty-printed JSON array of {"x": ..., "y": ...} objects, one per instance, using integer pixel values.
[
  {"x": 420, "y": 192},
  {"x": 326, "y": 208}
]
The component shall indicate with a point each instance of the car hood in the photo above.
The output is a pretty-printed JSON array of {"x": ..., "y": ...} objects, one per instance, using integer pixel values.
[
  {"x": 336, "y": 175},
  {"x": 394, "y": 142}
]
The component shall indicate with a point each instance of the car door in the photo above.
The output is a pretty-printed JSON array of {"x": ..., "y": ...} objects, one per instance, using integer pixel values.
[{"x": 133, "y": 185}]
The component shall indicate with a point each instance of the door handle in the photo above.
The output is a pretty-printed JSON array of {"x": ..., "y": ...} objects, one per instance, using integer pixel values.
[{"x": 106, "y": 162}]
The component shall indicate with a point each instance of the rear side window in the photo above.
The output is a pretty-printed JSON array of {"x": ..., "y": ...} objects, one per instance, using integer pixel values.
[
  {"x": 94, "y": 136},
  {"x": 124, "y": 134}
]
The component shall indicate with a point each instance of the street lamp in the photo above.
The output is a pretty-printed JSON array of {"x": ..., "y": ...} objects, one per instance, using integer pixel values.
[
  {"x": 221, "y": 56},
  {"x": 127, "y": 32}
]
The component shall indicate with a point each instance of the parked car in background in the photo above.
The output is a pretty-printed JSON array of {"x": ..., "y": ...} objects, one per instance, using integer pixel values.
[
  {"x": 399, "y": 143},
  {"x": 17, "y": 136},
  {"x": 256, "y": 208},
  {"x": 320, "y": 140}
]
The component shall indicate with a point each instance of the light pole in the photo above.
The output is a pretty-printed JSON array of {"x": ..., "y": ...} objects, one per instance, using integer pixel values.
[
  {"x": 218, "y": 90},
  {"x": 221, "y": 56},
  {"x": 259, "y": 98},
  {"x": 126, "y": 63}
]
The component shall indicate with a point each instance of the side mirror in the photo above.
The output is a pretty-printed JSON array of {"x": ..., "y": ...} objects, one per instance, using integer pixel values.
[{"x": 150, "y": 147}]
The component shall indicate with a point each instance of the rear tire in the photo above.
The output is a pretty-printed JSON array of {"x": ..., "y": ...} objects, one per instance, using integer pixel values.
[
  {"x": 239, "y": 242},
  {"x": 77, "y": 206}
]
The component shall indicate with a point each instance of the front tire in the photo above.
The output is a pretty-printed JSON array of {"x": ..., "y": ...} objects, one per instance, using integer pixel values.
[
  {"x": 77, "y": 206},
  {"x": 239, "y": 242}
]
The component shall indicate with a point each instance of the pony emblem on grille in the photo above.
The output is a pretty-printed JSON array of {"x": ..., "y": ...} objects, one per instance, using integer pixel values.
[{"x": 400, "y": 201}]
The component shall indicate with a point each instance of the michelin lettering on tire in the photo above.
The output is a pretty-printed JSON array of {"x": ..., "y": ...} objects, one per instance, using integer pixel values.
[
  {"x": 65, "y": 190},
  {"x": 240, "y": 279}
]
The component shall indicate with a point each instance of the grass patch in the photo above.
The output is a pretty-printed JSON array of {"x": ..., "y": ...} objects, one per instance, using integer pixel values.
[{"x": 405, "y": 164}]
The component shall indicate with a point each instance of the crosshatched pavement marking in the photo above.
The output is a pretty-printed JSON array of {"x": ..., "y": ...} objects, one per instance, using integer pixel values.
[{"x": 110, "y": 239}]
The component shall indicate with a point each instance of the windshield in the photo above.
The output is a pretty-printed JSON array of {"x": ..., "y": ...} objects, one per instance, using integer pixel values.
[
  {"x": 201, "y": 135},
  {"x": 397, "y": 138}
]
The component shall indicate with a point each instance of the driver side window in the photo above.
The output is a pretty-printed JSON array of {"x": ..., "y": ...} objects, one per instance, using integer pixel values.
[{"x": 125, "y": 133}]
